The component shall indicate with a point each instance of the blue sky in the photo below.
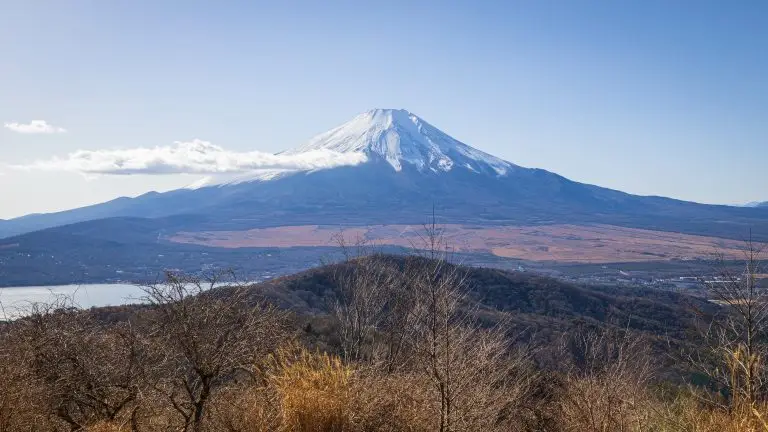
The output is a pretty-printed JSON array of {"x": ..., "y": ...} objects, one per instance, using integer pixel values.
[{"x": 649, "y": 97}]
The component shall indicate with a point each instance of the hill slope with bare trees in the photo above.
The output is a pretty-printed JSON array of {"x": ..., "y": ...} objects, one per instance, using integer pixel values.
[{"x": 392, "y": 343}]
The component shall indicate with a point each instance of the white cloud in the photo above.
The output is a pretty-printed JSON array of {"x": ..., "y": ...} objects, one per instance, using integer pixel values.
[
  {"x": 35, "y": 127},
  {"x": 205, "y": 181},
  {"x": 193, "y": 157}
]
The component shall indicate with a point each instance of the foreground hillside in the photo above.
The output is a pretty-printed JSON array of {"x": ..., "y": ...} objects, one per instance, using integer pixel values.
[{"x": 384, "y": 343}]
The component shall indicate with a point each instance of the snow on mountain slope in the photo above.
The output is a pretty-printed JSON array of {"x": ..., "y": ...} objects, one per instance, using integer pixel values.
[
  {"x": 395, "y": 136},
  {"x": 402, "y": 138}
]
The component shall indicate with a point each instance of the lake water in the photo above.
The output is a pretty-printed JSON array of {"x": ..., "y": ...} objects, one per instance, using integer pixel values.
[{"x": 16, "y": 300}]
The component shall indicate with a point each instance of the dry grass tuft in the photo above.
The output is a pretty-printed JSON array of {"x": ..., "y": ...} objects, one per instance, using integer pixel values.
[
  {"x": 107, "y": 427},
  {"x": 313, "y": 390},
  {"x": 688, "y": 413}
]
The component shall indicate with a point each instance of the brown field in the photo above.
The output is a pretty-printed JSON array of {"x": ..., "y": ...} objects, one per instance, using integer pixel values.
[{"x": 562, "y": 243}]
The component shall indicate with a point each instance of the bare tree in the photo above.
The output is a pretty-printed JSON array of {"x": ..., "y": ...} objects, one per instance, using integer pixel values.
[
  {"x": 415, "y": 317},
  {"x": 23, "y": 398},
  {"x": 399, "y": 325},
  {"x": 373, "y": 306},
  {"x": 204, "y": 338},
  {"x": 91, "y": 371},
  {"x": 607, "y": 376},
  {"x": 736, "y": 338},
  {"x": 475, "y": 373},
  {"x": 364, "y": 285}
]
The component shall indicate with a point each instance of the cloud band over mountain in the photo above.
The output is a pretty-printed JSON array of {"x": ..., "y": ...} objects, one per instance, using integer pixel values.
[
  {"x": 193, "y": 157},
  {"x": 34, "y": 127}
]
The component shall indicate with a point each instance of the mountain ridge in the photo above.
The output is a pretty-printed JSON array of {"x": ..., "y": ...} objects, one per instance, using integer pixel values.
[{"x": 411, "y": 166}]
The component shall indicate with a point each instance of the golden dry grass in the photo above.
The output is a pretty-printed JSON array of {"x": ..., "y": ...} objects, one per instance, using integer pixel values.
[
  {"x": 313, "y": 390},
  {"x": 688, "y": 414},
  {"x": 108, "y": 427}
]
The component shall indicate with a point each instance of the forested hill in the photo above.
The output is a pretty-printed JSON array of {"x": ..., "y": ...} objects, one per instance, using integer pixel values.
[{"x": 537, "y": 303}]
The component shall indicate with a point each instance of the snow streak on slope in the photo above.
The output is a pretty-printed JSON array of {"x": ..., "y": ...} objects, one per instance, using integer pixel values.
[{"x": 399, "y": 137}]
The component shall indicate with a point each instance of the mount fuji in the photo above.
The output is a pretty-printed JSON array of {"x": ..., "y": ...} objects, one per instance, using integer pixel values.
[
  {"x": 406, "y": 168},
  {"x": 401, "y": 138}
]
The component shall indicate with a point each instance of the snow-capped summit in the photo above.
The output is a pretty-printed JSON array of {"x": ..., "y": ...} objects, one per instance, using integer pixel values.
[{"x": 402, "y": 138}]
